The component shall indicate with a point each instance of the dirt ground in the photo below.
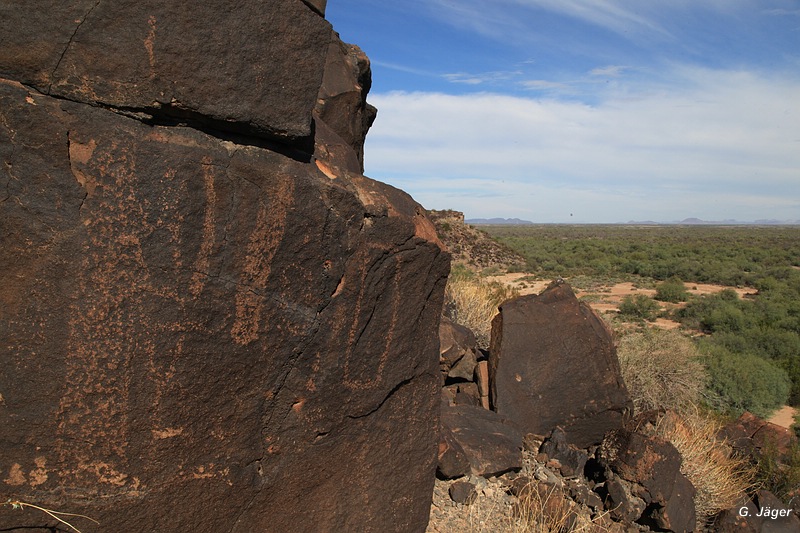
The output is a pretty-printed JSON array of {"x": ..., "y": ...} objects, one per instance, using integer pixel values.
[{"x": 784, "y": 417}]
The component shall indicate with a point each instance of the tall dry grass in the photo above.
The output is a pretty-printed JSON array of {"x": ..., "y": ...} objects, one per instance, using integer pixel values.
[
  {"x": 719, "y": 476},
  {"x": 472, "y": 302},
  {"x": 662, "y": 369},
  {"x": 544, "y": 508}
]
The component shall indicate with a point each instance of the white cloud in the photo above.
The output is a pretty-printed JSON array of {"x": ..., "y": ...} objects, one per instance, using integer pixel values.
[{"x": 714, "y": 145}]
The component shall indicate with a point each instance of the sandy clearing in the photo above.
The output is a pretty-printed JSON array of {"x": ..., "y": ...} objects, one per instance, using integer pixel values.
[
  {"x": 606, "y": 299},
  {"x": 514, "y": 280},
  {"x": 784, "y": 417},
  {"x": 706, "y": 288}
]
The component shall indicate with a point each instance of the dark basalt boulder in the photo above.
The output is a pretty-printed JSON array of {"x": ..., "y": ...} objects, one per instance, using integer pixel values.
[
  {"x": 649, "y": 469},
  {"x": 620, "y": 501},
  {"x": 455, "y": 343},
  {"x": 452, "y": 459},
  {"x": 741, "y": 518},
  {"x": 342, "y": 106},
  {"x": 462, "y": 492},
  {"x": 776, "y": 516},
  {"x": 490, "y": 443},
  {"x": 765, "y": 513},
  {"x": 752, "y": 435},
  {"x": 553, "y": 363},
  {"x": 678, "y": 512},
  {"x": 244, "y": 66},
  {"x": 208, "y": 324},
  {"x": 571, "y": 460},
  {"x": 651, "y": 462}
]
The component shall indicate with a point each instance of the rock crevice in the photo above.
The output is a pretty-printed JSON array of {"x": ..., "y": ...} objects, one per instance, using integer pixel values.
[{"x": 69, "y": 42}]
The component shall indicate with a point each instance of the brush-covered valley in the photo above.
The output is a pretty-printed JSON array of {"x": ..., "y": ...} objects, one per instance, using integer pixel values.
[{"x": 706, "y": 321}]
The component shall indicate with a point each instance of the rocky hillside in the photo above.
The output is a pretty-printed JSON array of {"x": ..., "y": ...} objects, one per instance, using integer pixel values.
[
  {"x": 539, "y": 434},
  {"x": 211, "y": 320},
  {"x": 471, "y": 246}
]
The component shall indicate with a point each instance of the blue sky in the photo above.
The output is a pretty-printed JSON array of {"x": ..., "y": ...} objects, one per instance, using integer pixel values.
[{"x": 585, "y": 111}]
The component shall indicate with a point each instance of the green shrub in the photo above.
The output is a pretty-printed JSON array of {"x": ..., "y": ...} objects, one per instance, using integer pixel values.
[
  {"x": 639, "y": 307},
  {"x": 725, "y": 318},
  {"x": 673, "y": 290},
  {"x": 796, "y": 425},
  {"x": 745, "y": 382}
]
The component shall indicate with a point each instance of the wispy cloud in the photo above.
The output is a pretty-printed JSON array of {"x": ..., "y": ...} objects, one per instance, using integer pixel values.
[
  {"x": 613, "y": 15},
  {"x": 546, "y": 85},
  {"x": 402, "y": 68},
  {"x": 716, "y": 144},
  {"x": 510, "y": 16},
  {"x": 610, "y": 71},
  {"x": 481, "y": 78},
  {"x": 783, "y": 12}
]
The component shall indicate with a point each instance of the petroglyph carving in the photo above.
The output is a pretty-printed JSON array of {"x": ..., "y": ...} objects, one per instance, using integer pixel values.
[
  {"x": 79, "y": 155},
  {"x": 362, "y": 344},
  {"x": 149, "y": 44},
  {"x": 264, "y": 241},
  {"x": 201, "y": 267}
]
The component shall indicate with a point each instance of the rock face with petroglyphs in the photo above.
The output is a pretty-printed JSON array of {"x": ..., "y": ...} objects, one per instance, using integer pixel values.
[{"x": 210, "y": 320}]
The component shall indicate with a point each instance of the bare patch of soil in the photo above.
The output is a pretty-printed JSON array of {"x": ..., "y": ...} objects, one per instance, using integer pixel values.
[
  {"x": 606, "y": 298},
  {"x": 784, "y": 417},
  {"x": 705, "y": 288}
]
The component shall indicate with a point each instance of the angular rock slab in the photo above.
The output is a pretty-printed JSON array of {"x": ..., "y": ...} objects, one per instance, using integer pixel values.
[
  {"x": 621, "y": 503},
  {"x": 571, "y": 459},
  {"x": 652, "y": 465},
  {"x": 741, "y": 518},
  {"x": 751, "y": 434},
  {"x": 455, "y": 343},
  {"x": 678, "y": 514},
  {"x": 234, "y": 66},
  {"x": 204, "y": 336},
  {"x": 491, "y": 444},
  {"x": 553, "y": 363},
  {"x": 342, "y": 105}
]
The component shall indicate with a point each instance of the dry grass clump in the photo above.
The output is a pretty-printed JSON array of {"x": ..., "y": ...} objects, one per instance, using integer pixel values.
[
  {"x": 473, "y": 302},
  {"x": 544, "y": 508},
  {"x": 489, "y": 513},
  {"x": 661, "y": 370},
  {"x": 719, "y": 476}
]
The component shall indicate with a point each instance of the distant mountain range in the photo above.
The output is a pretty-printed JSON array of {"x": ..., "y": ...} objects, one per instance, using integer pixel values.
[
  {"x": 727, "y": 222},
  {"x": 684, "y": 222},
  {"x": 503, "y": 221}
]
